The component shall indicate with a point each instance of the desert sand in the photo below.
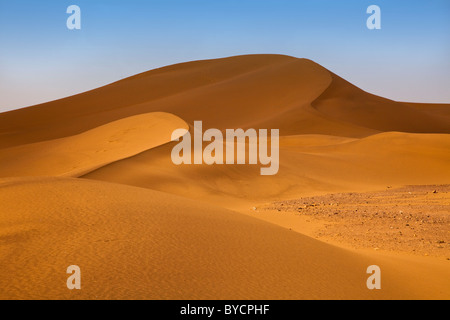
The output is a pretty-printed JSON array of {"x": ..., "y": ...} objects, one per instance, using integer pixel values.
[{"x": 88, "y": 180}]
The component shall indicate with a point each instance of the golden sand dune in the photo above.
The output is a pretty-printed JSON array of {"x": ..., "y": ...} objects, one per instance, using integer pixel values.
[
  {"x": 132, "y": 234},
  {"x": 137, "y": 243},
  {"x": 297, "y": 96},
  {"x": 81, "y": 153},
  {"x": 309, "y": 164}
]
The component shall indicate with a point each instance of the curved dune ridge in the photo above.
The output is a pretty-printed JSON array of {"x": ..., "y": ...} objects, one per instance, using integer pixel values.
[
  {"x": 309, "y": 164},
  {"x": 84, "y": 152},
  {"x": 88, "y": 180}
]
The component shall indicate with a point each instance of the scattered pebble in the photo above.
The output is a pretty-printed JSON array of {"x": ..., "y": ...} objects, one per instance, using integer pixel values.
[{"x": 382, "y": 211}]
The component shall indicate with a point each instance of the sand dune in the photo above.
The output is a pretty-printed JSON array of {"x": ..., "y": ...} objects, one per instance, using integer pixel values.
[
  {"x": 137, "y": 243},
  {"x": 343, "y": 101},
  {"x": 297, "y": 96},
  {"x": 437, "y": 109},
  {"x": 309, "y": 164},
  {"x": 78, "y": 154},
  {"x": 89, "y": 180}
]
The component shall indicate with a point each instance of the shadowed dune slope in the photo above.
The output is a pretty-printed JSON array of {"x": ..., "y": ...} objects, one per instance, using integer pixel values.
[
  {"x": 297, "y": 96},
  {"x": 343, "y": 101},
  {"x": 136, "y": 243}
]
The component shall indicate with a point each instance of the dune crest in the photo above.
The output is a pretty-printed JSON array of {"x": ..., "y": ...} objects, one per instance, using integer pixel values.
[
  {"x": 76, "y": 155},
  {"x": 294, "y": 95}
]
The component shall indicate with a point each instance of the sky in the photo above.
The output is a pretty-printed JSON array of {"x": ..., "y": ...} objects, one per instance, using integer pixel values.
[{"x": 408, "y": 59}]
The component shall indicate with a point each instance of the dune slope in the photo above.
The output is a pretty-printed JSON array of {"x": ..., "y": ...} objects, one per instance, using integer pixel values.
[
  {"x": 136, "y": 243},
  {"x": 81, "y": 153},
  {"x": 309, "y": 164}
]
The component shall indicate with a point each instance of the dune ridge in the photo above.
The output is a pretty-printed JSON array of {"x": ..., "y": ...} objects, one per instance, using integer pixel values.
[
  {"x": 76, "y": 155},
  {"x": 309, "y": 164},
  {"x": 264, "y": 90}
]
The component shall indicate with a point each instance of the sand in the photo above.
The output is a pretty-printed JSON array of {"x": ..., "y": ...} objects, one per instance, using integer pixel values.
[
  {"x": 88, "y": 180},
  {"x": 74, "y": 155},
  {"x": 411, "y": 219}
]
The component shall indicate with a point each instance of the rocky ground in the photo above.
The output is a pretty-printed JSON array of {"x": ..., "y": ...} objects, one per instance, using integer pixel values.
[{"x": 414, "y": 219}]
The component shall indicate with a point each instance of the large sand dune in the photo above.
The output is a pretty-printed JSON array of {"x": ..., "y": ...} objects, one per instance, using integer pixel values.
[
  {"x": 146, "y": 228},
  {"x": 294, "y": 95}
]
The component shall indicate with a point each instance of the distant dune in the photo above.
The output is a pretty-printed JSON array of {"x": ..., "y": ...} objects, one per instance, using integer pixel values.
[{"x": 89, "y": 180}]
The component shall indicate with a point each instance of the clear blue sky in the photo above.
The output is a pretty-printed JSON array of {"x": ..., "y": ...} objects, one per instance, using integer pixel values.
[{"x": 41, "y": 60}]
